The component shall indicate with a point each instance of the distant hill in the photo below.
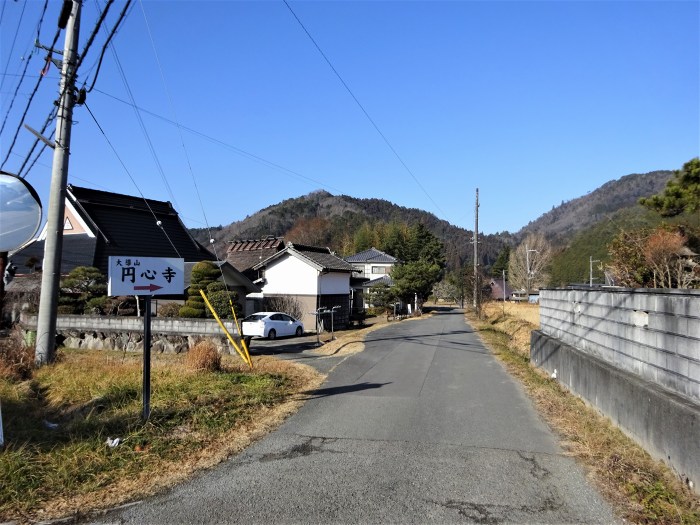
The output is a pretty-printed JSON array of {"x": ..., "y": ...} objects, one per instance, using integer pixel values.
[
  {"x": 561, "y": 223},
  {"x": 336, "y": 216},
  {"x": 332, "y": 220}
]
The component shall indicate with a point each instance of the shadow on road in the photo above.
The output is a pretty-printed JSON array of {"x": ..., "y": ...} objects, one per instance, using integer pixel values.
[{"x": 331, "y": 391}]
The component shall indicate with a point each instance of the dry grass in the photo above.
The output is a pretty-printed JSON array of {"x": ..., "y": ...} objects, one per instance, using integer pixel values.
[
  {"x": 641, "y": 489},
  {"x": 16, "y": 357},
  {"x": 196, "y": 422},
  {"x": 203, "y": 357}
]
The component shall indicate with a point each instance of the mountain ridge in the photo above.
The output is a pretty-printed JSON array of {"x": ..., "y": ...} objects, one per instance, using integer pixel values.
[{"x": 332, "y": 220}]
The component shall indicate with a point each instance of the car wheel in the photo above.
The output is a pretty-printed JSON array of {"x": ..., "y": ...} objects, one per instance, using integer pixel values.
[
  {"x": 299, "y": 331},
  {"x": 272, "y": 334}
]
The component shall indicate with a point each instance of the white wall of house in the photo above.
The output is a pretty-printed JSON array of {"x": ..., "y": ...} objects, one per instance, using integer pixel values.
[
  {"x": 335, "y": 283},
  {"x": 290, "y": 276}
]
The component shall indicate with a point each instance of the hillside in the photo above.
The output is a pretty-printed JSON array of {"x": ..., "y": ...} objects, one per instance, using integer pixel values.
[
  {"x": 561, "y": 223},
  {"x": 336, "y": 221},
  {"x": 324, "y": 219}
]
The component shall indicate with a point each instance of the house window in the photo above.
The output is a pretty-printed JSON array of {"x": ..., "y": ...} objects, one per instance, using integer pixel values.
[{"x": 379, "y": 269}]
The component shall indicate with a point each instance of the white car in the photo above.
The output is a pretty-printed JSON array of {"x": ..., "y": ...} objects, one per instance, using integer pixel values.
[{"x": 271, "y": 325}]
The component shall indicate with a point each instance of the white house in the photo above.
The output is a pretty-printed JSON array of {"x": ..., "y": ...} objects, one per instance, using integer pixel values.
[
  {"x": 373, "y": 268},
  {"x": 372, "y": 264},
  {"x": 315, "y": 277}
]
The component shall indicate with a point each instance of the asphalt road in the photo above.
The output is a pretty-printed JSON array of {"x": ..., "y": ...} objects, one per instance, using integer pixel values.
[{"x": 424, "y": 426}]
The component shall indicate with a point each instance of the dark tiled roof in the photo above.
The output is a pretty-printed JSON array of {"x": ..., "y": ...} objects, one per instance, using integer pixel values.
[
  {"x": 384, "y": 279},
  {"x": 321, "y": 258},
  {"x": 126, "y": 226},
  {"x": 372, "y": 256},
  {"x": 243, "y": 255},
  {"x": 246, "y": 245}
]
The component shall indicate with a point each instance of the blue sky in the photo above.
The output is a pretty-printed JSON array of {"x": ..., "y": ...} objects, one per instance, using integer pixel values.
[{"x": 532, "y": 102}]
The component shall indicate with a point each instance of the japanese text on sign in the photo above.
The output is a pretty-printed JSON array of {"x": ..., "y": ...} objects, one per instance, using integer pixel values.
[{"x": 146, "y": 276}]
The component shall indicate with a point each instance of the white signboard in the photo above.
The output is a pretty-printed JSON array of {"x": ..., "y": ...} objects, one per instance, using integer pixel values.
[{"x": 146, "y": 276}]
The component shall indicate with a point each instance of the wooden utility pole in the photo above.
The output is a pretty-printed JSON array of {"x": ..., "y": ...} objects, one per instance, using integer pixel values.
[
  {"x": 476, "y": 253},
  {"x": 53, "y": 245}
]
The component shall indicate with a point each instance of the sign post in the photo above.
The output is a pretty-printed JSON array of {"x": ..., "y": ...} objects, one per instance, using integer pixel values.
[{"x": 146, "y": 276}]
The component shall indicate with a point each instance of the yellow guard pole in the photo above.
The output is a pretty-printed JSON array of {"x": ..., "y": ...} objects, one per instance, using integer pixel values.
[
  {"x": 240, "y": 330},
  {"x": 245, "y": 357}
]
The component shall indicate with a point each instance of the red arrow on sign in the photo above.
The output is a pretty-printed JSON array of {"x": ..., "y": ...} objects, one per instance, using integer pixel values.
[{"x": 149, "y": 287}]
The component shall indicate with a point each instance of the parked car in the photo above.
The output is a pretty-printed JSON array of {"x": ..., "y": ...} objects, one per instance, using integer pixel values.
[{"x": 271, "y": 325}]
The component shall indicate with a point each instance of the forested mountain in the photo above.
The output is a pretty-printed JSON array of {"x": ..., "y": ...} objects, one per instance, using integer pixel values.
[
  {"x": 349, "y": 225},
  {"x": 561, "y": 223}
]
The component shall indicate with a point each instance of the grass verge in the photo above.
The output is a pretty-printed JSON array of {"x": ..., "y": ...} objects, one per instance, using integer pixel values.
[
  {"x": 57, "y": 462},
  {"x": 641, "y": 489}
]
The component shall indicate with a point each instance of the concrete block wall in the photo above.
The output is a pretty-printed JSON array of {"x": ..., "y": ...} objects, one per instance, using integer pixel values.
[
  {"x": 651, "y": 333},
  {"x": 163, "y": 325},
  {"x": 172, "y": 335}
]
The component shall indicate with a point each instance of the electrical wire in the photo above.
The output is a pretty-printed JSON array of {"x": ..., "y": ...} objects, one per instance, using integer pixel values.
[
  {"x": 219, "y": 262},
  {"x": 49, "y": 120},
  {"x": 29, "y": 102},
  {"x": 132, "y": 179},
  {"x": 177, "y": 122},
  {"x": 91, "y": 39},
  {"x": 122, "y": 15},
  {"x": 371, "y": 120},
  {"x": 26, "y": 66},
  {"x": 12, "y": 47},
  {"x": 226, "y": 145},
  {"x": 41, "y": 151},
  {"x": 143, "y": 126}
]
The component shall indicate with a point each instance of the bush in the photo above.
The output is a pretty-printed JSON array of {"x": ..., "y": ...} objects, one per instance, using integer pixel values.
[
  {"x": 191, "y": 313},
  {"x": 65, "y": 309},
  {"x": 203, "y": 357},
  {"x": 220, "y": 302},
  {"x": 16, "y": 357},
  {"x": 169, "y": 310},
  {"x": 97, "y": 305}
]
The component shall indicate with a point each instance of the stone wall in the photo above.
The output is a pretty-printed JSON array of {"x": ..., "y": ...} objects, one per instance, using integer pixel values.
[{"x": 126, "y": 333}]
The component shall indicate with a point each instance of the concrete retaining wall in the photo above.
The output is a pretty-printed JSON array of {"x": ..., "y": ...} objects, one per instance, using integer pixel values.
[
  {"x": 666, "y": 424},
  {"x": 634, "y": 354},
  {"x": 126, "y": 333},
  {"x": 654, "y": 334}
]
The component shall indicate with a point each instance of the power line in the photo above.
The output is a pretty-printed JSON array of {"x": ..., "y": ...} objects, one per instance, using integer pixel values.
[
  {"x": 132, "y": 179},
  {"x": 143, "y": 126},
  {"x": 48, "y": 121},
  {"x": 396, "y": 154},
  {"x": 14, "y": 41},
  {"x": 26, "y": 66},
  {"x": 95, "y": 30},
  {"x": 226, "y": 145},
  {"x": 29, "y": 102},
  {"x": 122, "y": 15}
]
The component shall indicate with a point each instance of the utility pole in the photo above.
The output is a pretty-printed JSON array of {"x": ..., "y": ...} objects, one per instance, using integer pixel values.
[
  {"x": 476, "y": 253},
  {"x": 590, "y": 270},
  {"x": 53, "y": 245}
]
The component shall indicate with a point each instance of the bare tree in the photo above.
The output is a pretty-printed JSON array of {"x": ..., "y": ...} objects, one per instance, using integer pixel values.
[
  {"x": 658, "y": 258},
  {"x": 286, "y": 304},
  {"x": 527, "y": 266}
]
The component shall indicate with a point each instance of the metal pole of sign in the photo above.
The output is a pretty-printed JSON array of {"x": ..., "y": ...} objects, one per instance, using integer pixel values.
[{"x": 147, "y": 359}]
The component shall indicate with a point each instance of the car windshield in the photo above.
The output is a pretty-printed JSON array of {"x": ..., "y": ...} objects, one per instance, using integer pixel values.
[{"x": 254, "y": 317}]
